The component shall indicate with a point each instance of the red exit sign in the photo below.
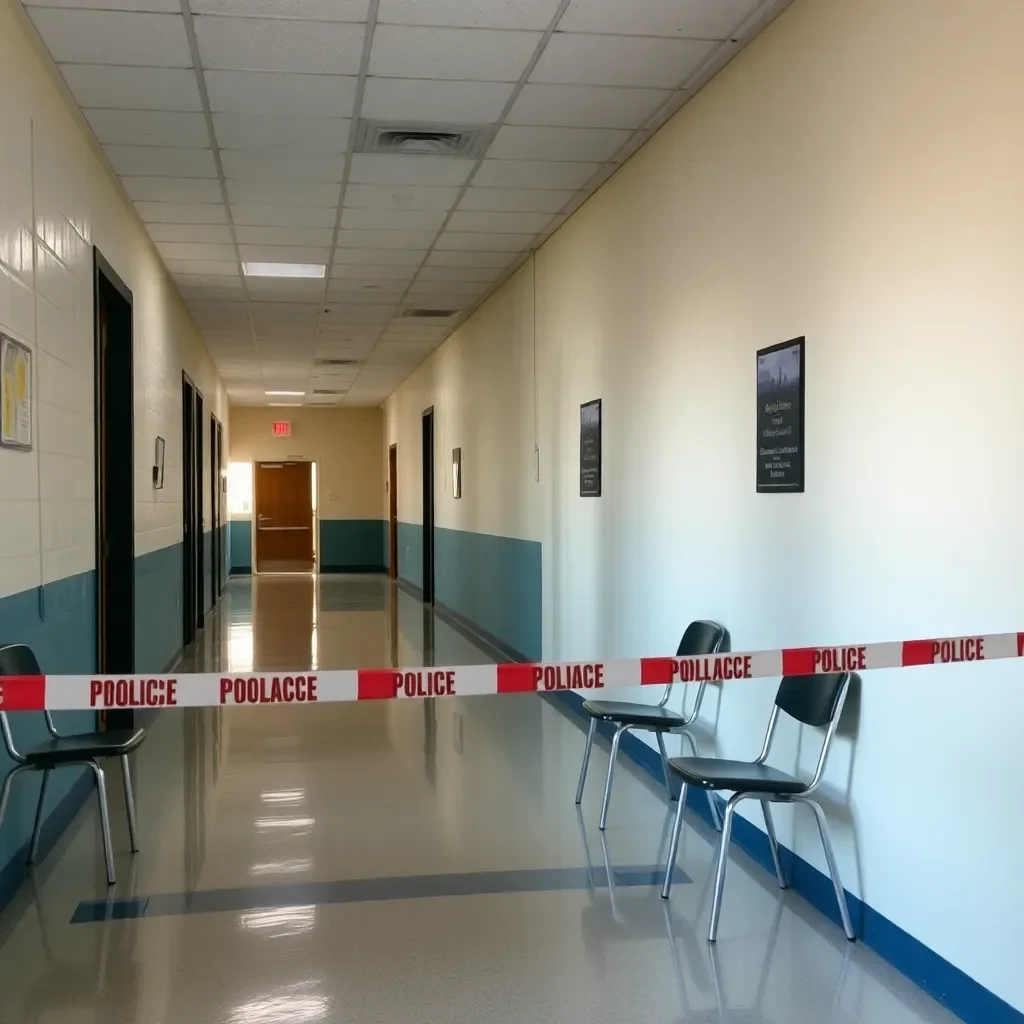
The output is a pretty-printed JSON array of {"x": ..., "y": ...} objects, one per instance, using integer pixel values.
[{"x": 281, "y": 428}]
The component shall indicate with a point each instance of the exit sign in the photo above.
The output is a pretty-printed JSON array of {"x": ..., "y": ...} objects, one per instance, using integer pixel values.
[{"x": 281, "y": 428}]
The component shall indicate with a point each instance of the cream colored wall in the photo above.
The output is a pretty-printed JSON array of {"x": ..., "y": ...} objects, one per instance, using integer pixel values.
[
  {"x": 344, "y": 443},
  {"x": 58, "y": 198},
  {"x": 855, "y": 177}
]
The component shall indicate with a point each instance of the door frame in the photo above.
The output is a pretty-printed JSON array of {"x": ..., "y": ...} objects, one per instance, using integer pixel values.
[
  {"x": 200, "y": 424},
  {"x": 188, "y": 509},
  {"x": 216, "y": 505},
  {"x": 393, "y": 512},
  {"x": 314, "y": 470},
  {"x": 429, "y": 449}
]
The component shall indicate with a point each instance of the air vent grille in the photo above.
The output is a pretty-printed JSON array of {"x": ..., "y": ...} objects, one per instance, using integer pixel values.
[
  {"x": 430, "y": 314},
  {"x": 335, "y": 362},
  {"x": 415, "y": 139},
  {"x": 325, "y": 391}
]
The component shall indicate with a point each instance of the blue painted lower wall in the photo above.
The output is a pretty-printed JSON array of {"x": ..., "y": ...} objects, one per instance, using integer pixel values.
[
  {"x": 352, "y": 545},
  {"x": 240, "y": 546},
  {"x": 410, "y": 553},
  {"x": 158, "y": 618},
  {"x": 938, "y": 977}
]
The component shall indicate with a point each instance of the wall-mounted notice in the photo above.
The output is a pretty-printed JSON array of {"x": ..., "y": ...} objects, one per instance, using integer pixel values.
[
  {"x": 457, "y": 472},
  {"x": 780, "y": 417},
  {"x": 590, "y": 449},
  {"x": 15, "y": 394}
]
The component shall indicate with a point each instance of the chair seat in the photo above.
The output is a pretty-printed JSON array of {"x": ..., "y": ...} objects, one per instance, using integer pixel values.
[
  {"x": 633, "y": 714},
  {"x": 86, "y": 747},
  {"x": 741, "y": 776}
]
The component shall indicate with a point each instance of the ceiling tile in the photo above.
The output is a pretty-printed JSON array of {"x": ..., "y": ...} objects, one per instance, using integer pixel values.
[
  {"x": 374, "y": 257},
  {"x": 695, "y": 19},
  {"x": 593, "y": 145},
  {"x": 182, "y": 213},
  {"x": 481, "y": 275},
  {"x": 459, "y": 258},
  {"x": 396, "y": 169},
  {"x": 397, "y": 355},
  {"x": 148, "y": 127},
  {"x": 476, "y": 220},
  {"x": 251, "y": 235},
  {"x": 526, "y": 14},
  {"x": 162, "y": 161},
  {"x": 409, "y": 197},
  {"x": 585, "y": 106},
  {"x": 401, "y": 51},
  {"x": 546, "y": 174},
  {"x": 403, "y": 99},
  {"x": 221, "y": 288},
  {"x": 107, "y": 85},
  {"x": 151, "y": 6},
  {"x": 283, "y": 193},
  {"x": 172, "y": 190},
  {"x": 190, "y": 233},
  {"x": 314, "y": 10},
  {"x": 264, "y": 92},
  {"x": 196, "y": 251},
  {"x": 432, "y": 288},
  {"x": 356, "y": 296},
  {"x": 191, "y": 295},
  {"x": 255, "y": 44},
  {"x": 287, "y": 132},
  {"x": 285, "y": 216},
  {"x": 354, "y": 238},
  {"x": 282, "y": 166},
  {"x": 413, "y": 220},
  {"x": 359, "y": 272},
  {"x": 619, "y": 60},
  {"x": 483, "y": 241},
  {"x": 113, "y": 37},
  {"x": 284, "y": 254},
  {"x": 511, "y": 200},
  {"x": 212, "y": 268}
]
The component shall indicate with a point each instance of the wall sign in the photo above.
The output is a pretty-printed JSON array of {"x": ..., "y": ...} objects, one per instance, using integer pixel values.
[
  {"x": 15, "y": 394},
  {"x": 780, "y": 417},
  {"x": 158, "y": 463},
  {"x": 590, "y": 449},
  {"x": 457, "y": 472},
  {"x": 281, "y": 428}
]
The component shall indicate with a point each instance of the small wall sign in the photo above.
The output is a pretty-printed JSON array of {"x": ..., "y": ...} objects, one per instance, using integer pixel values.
[
  {"x": 590, "y": 449},
  {"x": 780, "y": 417},
  {"x": 281, "y": 428},
  {"x": 457, "y": 472}
]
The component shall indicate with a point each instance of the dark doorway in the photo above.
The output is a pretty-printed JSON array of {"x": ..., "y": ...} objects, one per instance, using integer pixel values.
[
  {"x": 188, "y": 509},
  {"x": 428, "y": 506},
  {"x": 216, "y": 505},
  {"x": 393, "y": 512},
  {"x": 115, "y": 487},
  {"x": 200, "y": 517}
]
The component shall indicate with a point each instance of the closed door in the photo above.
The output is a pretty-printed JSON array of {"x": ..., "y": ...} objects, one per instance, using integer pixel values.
[{"x": 284, "y": 517}]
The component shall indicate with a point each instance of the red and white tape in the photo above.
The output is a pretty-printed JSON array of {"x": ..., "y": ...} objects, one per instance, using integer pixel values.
[{"x": 210, "y": 689}]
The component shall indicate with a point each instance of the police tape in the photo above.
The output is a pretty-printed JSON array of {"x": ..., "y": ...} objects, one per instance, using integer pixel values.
[{"x": 214, "y": 689}]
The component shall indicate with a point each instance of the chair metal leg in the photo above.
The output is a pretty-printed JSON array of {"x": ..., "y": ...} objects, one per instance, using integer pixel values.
[
  {"x": 723, "y": 861},
  {"x": 129, "y": 802},
  {"x": 773, "y": 842},
  {"x": 33, "y": 850},
  {"x": 664, "y": 765},
  {"x": 101, "y": 795},
  {"x": 586, "y": 759},
  {"x": 673, "y": 846},
  {"x": 611, "y": 772},
  {"x": 833, "y": 868}
]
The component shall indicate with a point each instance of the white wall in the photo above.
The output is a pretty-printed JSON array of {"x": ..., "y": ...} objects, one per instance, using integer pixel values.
[
  {"x": 855, "y": 177},
  {"x": 58, "y": 197}
]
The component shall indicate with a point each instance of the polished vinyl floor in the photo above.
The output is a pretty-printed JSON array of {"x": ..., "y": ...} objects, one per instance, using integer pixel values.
[{"x": 415, "y": 861}]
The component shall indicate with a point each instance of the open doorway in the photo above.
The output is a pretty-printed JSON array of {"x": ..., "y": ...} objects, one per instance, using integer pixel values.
[
  {"x": 115, "y": 461},
  {"x": 428, "y": 506},
  {"x": 393, "y": 512},
  {"x": 216, "y": 507},
  {"x": 284, "y": 501}
]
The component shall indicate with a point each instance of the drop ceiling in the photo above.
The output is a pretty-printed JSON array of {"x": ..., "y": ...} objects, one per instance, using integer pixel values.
[{"x": 233, "y": 125}]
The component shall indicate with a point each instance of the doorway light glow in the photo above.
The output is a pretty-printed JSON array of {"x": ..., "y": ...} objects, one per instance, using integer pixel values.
[{"x": 312, "y": 270}]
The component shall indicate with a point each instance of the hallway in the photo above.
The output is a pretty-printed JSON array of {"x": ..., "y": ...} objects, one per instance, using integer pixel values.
[{"x": 403, "y": 860}]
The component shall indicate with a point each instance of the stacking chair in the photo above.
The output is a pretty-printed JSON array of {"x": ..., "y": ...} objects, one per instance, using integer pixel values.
[
  {"x": 815, "y": 700},
  {"x": 701, "y": 637},
  {"x": 83, "y": 749}
]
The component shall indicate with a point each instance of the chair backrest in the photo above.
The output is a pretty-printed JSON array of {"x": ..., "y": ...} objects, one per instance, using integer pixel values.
[
  {"x": 701, "y": 637},
  {"x": 15, "y": 660}
]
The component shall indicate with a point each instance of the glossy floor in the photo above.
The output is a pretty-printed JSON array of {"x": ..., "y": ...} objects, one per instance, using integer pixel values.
[{"x": 403, "y": 860}]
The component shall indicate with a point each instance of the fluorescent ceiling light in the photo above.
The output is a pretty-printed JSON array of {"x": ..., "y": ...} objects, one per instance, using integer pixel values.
[
  {"x": 284, "y": 394},
  {"x": 317, "y": 270},
  {"x": 285, "y": 405}
]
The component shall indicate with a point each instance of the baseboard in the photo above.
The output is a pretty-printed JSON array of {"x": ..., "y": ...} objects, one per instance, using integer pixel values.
[
  {"x": 15, "y": 871},
  {"x": 410, "y": 588},
  {"x": 944, "y": 982},
  {"x": 240, "y": 570},
  {"x": 375, "y": 570},
  {"x": 498, "y": 649}
]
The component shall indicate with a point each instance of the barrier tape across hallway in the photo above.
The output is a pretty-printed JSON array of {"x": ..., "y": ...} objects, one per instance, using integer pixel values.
[{"x": 213, "y": 689}]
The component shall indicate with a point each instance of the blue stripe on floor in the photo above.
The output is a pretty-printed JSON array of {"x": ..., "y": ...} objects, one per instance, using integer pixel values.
[{"x": 365, "y": 890}]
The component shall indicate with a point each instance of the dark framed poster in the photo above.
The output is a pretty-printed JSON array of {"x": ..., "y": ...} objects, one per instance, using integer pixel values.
[
  {"x": 590, "y": 449},
  {"x": 780, "y": 417},
  {"x": 457, "y": 472}
]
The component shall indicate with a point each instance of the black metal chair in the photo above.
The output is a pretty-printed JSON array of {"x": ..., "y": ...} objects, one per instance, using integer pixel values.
[
  {"x": 701, "y": 637},
  {"x": 815, "y": 700},
  {"x": 84, "y": 749}
]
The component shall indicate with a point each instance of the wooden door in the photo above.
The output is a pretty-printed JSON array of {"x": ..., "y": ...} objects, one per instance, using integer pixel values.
[
  {"x": 284, "y": 517},
  {"x": 393, "y": 512}
]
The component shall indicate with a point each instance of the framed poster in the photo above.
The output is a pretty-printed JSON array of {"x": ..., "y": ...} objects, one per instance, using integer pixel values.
[
  {"x": 457, "y": 472},
  {"x": 780, "y": 417},
  {"x": 15, "y": 394},
  {"x": 158, "y": 463},
  {"x": 590, "y": 449}
]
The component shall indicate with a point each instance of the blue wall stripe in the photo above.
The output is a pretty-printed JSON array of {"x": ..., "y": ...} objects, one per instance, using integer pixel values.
[
  {"x": 410, "y": 553},
  {"x": 944, "y": 982},
  {"x": 352, "y": 545},
  {"x": 158, "y": 616},
  {"x": 240, "y": 546}
]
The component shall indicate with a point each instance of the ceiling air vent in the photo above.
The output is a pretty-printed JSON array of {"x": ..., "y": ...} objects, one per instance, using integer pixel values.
[
  {"x": 335, "y": 362},
  {"x": 415, "y": 139},
  {"x": 326, "y": 391},
  {"x": 442, "y": 314}
]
